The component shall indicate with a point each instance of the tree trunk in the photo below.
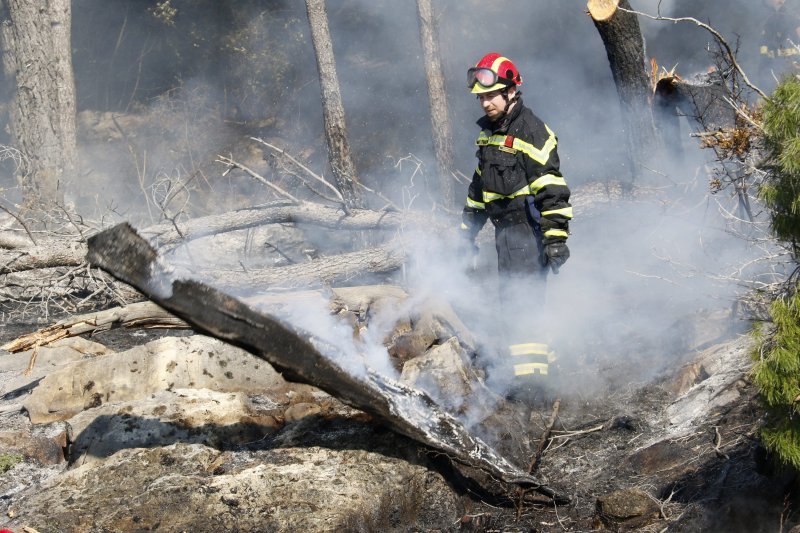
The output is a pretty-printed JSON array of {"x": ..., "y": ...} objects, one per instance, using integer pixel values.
[
  {"x": 341, "y": 161},
  {"x": 624, "y": 45},
  {"x": 37, "y": 54},
  {"x": 440, "y": 121}
]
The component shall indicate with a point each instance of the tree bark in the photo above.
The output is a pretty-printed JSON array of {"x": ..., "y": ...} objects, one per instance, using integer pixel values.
[
  {"x": 440, "y": 120},
  {"x": 37, "y": 54},
  {"x": 341, "y": 161},
  {"x": 624, "y": 45}
]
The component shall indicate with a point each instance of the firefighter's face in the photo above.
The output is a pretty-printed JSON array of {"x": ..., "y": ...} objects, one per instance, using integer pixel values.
[{"x": 493, "y": 103}]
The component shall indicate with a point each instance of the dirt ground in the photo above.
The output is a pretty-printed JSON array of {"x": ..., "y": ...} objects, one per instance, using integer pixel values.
[{"x": 687, "y": 447}]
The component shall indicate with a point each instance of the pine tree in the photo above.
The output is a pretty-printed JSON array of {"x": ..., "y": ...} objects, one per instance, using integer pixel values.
[
  {"x": 777, "y": 369},
  {"x": 777, "y": 376},
  {"x": 781, "y": 193}
]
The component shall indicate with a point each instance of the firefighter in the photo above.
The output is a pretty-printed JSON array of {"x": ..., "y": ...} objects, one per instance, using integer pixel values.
[
  {"x": 778, "y": 45},
  {"x": 518, "y": 186}
]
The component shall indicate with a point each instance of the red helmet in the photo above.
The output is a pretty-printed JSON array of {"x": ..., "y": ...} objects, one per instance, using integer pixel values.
[{"x": 491, "y": 73}]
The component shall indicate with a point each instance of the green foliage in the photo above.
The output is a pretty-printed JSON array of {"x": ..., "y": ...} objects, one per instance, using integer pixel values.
[
  {"x": 8, "y": 460},
  {"x": 781, "y": 193},
  {"x": 777, "y": 376}
]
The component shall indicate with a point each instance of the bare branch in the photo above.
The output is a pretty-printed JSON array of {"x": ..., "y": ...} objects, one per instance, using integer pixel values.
[
  {"x": 721, "y": 40},
  {"x": 258, "y": 177},
  {"x": 301, "y": 165}
]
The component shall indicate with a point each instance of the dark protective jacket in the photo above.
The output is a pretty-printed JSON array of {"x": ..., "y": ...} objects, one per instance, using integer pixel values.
[{"x": 518, "y": 177}]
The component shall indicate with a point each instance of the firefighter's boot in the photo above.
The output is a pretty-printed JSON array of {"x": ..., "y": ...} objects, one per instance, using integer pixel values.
[{"x": 535, "y": 373}]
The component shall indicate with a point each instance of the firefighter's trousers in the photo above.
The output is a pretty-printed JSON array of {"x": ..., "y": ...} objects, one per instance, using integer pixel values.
[{"x": 522, "y": 298}]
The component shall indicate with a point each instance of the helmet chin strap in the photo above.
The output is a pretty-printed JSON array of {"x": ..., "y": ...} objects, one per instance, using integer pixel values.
[{"x": 509, "y": 102}]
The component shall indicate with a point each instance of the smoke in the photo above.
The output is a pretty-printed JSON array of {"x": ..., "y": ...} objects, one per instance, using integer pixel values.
[{"x": 640, "y": 269}]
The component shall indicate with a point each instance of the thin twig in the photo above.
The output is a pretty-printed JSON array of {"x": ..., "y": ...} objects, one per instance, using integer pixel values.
[
  {"x": 718, "y": 443},
  {"x": 21, "y": 223},
  {"x": 536, "y": 459},
  {"x": 569, "y": 434},
  {"x": 233, "y": 164},
  {"x": 534, "y": 464}
]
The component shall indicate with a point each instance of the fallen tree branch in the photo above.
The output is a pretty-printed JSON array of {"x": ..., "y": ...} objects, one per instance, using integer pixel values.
[
  {"x": 568, "y": 434},
  {"x": 58, "y": 252},
  {"x": 51, "y": 252},
  {"x": 324, "y": 270},
  {"x": 137, "y": 315},
  {"x": 280, "y": 213},
  {"x": 149, "y": 315}
]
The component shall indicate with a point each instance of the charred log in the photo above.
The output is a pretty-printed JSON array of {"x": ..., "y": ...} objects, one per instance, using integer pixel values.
[{"x": 299, "y": 355}]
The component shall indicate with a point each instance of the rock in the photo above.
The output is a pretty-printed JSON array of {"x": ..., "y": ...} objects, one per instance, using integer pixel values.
[
  {"x": 164, "y": 364},
  {"x": 41, "y": 449},
  {"x": 626, "y": 509},
  {"x": 435, "y": 325},
  {"x": 663, "y": 457},
  {"x": 688, "y": 376},
  {"x": 217, "y": 419},
  {"x": 411, "y": 344},
  {"x": 725, "y": 365},
  {"x": 48, "y": 359},
  {"x": 301, "y": 410},
  {"x": 442, "y": 373},
  {"x": 191, "y": 487}
]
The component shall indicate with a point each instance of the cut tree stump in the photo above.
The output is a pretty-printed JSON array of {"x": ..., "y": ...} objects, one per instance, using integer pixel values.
[{"x": 624, "y": 46}]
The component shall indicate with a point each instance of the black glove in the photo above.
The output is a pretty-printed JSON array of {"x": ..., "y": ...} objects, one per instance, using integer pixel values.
[{"x": 556, "y": 254}]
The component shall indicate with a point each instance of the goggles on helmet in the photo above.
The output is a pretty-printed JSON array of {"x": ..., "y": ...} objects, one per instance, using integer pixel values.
[{"x": 485, "y": 76}]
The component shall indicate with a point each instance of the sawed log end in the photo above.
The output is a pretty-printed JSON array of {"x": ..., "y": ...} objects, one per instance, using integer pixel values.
[{"x": 602, "y": 10}]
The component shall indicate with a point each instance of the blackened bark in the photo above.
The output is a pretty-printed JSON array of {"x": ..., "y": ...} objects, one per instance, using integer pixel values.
[
  {"x": 440, "y": 120},
  {"x": 341, "y": 161},
  {"x": 37, "y": 54},
  {"x": 624, "y": 45}
]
